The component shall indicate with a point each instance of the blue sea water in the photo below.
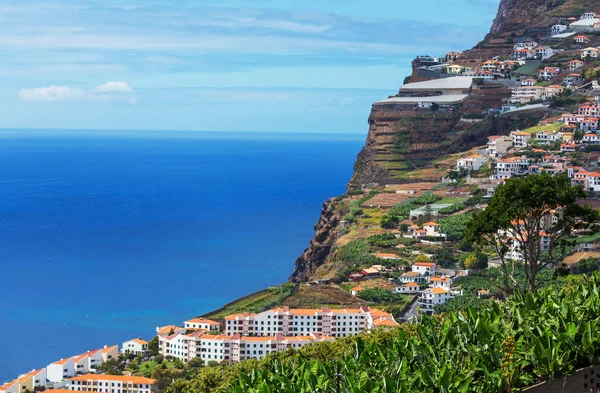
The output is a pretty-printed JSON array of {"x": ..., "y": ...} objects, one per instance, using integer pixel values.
[{"x": 105, "y": 235}]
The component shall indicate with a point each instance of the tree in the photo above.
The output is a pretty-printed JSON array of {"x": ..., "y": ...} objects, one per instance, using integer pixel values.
[
  {"x": 471, "y": 263},
  {"x": 525, "y": 210},
  {"x": 153, "y": 346},
  {"x": 422, "y": 258}
]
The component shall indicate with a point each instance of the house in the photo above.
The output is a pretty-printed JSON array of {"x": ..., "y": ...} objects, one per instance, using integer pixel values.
[
  {"x": 568, "y": 147},
  {"x": 61, "y": 370},
  {"x": 470, "y": 163},
  {"x": 557, "y": 29},
  {"x": 589, "y": 110},
  {"x": 136, "y": 346},
  {"x": 175, "y": 346},
  {"x": 82, "y": 364},
  {"x": 567, "y": 136},
  {"x": 512, "y": 166},
  {"x": 574, "y": 65},
  {"x": 544, "y": 52},
  {"x": 110, "y": 353},
  {"x": 452, "y": 56},
  {"x": 38, "y": 378},
  {"x": 168, "y": 330},
  {"x": 415, "y": 277},
  {"x": 522, "y": 54},
  {"x": 424, "y": 268},
  {"x": 483, "y": 293},
  {"x": 548, "y": 73},
  {"x": 573, "y": 78},
  {"x": 520, "y": 138},
  {"x": 94, "y": 359},
  {"x": 498, "y": 145},
  {"x": 25, "y": 383},
  {"x": 590, "y": 139},
  {"x": 370, "y": 272},
  {"x": 454, "y": 69},
  {"x": 202, "y": 323},
  {"x": 356, "y": 277},
  {"x": 528, "y": 82},
  {"x": 432, "y": 297},
  {"x": 593, "y": 182},
  {"x": 354, "y": 291},
  {"x": 588, "y": 15},
  {"x": 590, "y": 52},
  {"x": 547, "y": 137},
  {"x": 581, "y": 39},
  {"x": 10, "y": 387},
  {"x": 433, "y": 229},
  {"x": 110, "y": 383},
  {"x": 408, "y": 289},
  {"x": 589, "y": 124},
  {"x": 489, "y": 65},
  {"x": 525, "y": 45},
  {"x": 441, "y": 282}
]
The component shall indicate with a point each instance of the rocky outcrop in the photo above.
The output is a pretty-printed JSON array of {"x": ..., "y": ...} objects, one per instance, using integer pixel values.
[{"x": 320, "y": 246}]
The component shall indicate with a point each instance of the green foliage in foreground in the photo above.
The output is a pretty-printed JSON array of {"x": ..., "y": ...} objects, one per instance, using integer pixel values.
[{"x": 502, "y": 346}]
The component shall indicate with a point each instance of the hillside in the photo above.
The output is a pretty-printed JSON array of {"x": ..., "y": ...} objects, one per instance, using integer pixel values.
[{"x": 412, "y": 141}]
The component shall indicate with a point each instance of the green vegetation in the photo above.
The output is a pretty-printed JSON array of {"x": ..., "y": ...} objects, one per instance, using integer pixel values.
[
  {"x": 454, "y": 226},
  {"x": 488, "y": 347},
  {"x": 519, "y": 209},
  {"x": 401, "y": 212},
  {"x": 554, "y": 127},
  {"x": 257, "y": 302},
  {"x": 380, "y": 295}
]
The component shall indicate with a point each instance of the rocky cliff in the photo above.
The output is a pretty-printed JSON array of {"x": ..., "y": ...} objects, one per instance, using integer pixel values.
[{"x": 403, "y": 141}]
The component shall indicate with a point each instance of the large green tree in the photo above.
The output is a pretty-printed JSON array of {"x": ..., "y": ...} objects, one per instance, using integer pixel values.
[{"x": 522, "y": 211}]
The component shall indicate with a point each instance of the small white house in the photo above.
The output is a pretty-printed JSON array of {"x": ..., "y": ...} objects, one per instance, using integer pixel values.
[
  {"x": 498, "y": 145},
  {"x": 82, "y": 363},
  {"x": 414, "y": 277},
  {"x": 10, "y": 387},
  {"x": 61, "y": 370},
  {"x": 591, "y": 139},
  {"x": 408, "y": 289},
  {"x": 136, "y": 346},
  {"x": 110, "y": 353},
  {"x": 557, "y": 29},
  {"x": 520, "y": 138},
  {"x": 424, "y": 268},
  {"x": 471, "y": 163}
]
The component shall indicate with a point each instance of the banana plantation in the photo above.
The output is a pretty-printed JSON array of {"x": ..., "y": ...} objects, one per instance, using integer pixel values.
[{"x": 503, "y": 347}]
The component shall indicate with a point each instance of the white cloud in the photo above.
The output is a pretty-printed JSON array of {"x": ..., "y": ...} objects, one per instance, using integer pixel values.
[
  {"x": 108, "y": 92},
  {"x": 52, "y": 94},
  {"x": 114, "y": 87}
]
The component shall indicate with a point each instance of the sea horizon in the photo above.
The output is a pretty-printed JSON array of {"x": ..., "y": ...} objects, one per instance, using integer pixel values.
[{"x": 107, "y": 238}]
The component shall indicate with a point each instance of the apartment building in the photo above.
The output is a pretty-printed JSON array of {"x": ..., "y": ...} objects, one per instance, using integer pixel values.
[
  {"x": 61, "y": 370},
  {"x": 470, "y": 163},
  {"x": 432, "y": 297},
  {"x": 589, "y": 110},
  {"x": 301, "y": 322},
  {"x": 520, "y": 138},
  {"x": 110, "y": 383},
  {"x": 498, "y": 145},
  {"x": 512, "y": 166}
]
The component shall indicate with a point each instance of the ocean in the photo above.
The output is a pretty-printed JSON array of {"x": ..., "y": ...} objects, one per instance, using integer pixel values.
[{"x": 105, "y": 235}]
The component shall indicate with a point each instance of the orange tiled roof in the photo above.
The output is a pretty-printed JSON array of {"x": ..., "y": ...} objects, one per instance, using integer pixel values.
[
  {"x": 203, "y": 320},
  {"x": 120, "y": 378}
]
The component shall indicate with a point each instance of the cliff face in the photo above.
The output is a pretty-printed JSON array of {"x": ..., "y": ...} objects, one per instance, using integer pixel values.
[{"x": 320, "y": 247}]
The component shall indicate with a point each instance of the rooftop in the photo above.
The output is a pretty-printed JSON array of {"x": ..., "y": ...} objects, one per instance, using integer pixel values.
[
  {"x": 457, "y": 82},
  {"x": 447, "y": 99}
]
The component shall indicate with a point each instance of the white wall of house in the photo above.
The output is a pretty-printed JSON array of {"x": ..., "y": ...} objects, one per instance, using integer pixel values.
[{"x": 59, "y": 372}]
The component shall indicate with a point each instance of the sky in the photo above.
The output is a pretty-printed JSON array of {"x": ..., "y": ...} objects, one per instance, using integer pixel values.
[{"x": 218, "y": 65}]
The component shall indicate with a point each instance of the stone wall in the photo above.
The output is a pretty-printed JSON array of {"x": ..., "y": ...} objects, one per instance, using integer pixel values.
[{"x": 586, "y": 380}]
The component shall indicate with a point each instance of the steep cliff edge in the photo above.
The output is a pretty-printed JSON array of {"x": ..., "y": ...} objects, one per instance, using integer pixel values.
[
  {"x": 404, "y": 143},
  {"x": 320, "y": 246}
]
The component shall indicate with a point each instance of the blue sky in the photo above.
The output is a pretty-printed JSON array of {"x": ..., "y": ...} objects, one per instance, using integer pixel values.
[{"x": 228, "y": 65}]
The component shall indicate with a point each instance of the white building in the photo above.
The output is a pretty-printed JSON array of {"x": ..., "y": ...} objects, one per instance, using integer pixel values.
[
  {"x": 498, "y": 145},
  {"x": 547, "y": 137},
  {"x": 548, "y": 73},
  {"x": 110, "y": 383},
  {"x": 413, "y": 277},
  {"x": 557, "y": 29},
  {"x": 584, "y": 24},
  {"x": 593, "y": 181},
  {"x": 175, "y": 346},
  {"x": 512, "y": 166},
  {"x": 544, "y": 52},
  {"x": 520, "y": 138},
  {"x": 588, "y": 15},
  {"x": 408, "y": 289},
  {"x": 168, "y": 330},
  {"x": 432, "y": 297},
  {"x": 136, "y": 346},
  {"x": 81, "y": 364},
  {"x": 300, "y": 322},
  {"x": 202, "y": 323},
  {"x": 61, "y": 370},
  {"x": 471, "y": 163},
  {"x": 590, "y": 52},
  {"x": 10, "y": 387},
  {"x": 110, "y": 352},
  {"x": 424, "y": 268},
  {"x": 591, "y": 139}
]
